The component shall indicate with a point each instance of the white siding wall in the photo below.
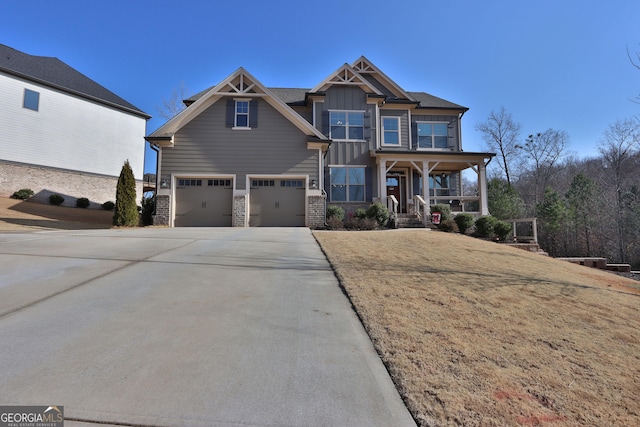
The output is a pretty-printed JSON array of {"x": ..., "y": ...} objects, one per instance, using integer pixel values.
[{"x": 68, "y": 132}]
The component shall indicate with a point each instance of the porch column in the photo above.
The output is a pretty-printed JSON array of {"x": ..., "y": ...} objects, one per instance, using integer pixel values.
[
  {"x": 482, "y": 189},
  {"x": 382, "y": 181},
  {"x": 425, "y": 182}
]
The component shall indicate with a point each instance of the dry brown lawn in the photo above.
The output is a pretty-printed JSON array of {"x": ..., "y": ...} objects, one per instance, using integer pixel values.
[
  {"x": 19, "y": 215},
  {"x": 475, "y": 333}
]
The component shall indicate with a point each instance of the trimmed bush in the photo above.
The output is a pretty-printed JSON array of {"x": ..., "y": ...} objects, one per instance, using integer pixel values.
[
  {"x": 334, "y": 223},
  {"x": 485, "y": 226},
  {"x": 148, "y": 206},
  {"x": 82, "y": 202},
  {"x": 23, "y": 194},
  {"x": 464, "y": 221},
  {"x": 445, "y": 211},
  {"x": 355, "y": 223},
  {"x": 126, "y": 211},
  {"x": 502, "y": 230},
  {"x": 448, "y": 225},
  {"x": 335, "y": 212},
  {"x": 108, "y": 206},
  {"x": 361, "y": 213},
  {"x": 56, "y": 199},
  {"x": 379, "y": 212}
]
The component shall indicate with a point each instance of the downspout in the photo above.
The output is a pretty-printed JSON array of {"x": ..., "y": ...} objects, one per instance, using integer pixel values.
[{"x": 155, "y": 193}]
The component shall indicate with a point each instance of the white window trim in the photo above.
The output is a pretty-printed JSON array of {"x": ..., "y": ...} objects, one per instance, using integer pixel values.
[
  {"x": 235, "y": 114},
  {"x": 432, "y": 148},
  {"x": 383, "y": 131},
  {"x": 364, "y": 185},
  {"x": 347, "y": 111}
]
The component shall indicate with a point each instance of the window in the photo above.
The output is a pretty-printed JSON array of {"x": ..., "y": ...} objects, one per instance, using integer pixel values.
[
  {"x": 189, "y": 183},
  {"x": 347, "y": 184},
  {"x": 439, "y": 185},
  {"x": 346, "y": 125},
  {"x": 391, "y": 130},
  {"x": 263, "y": 183},
  {"x": 219, "y": 183},
  {"x": 432, "y": 135},
  {"x": 292, "y": 183},
  {"x": 31, "y": 100},
  {"x": 242, "y": 114}
]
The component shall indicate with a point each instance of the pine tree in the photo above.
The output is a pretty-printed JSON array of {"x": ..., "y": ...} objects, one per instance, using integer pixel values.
[{"x": 126, "y": 210}]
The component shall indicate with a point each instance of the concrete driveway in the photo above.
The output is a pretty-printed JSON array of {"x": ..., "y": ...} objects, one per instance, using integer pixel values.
[{"x": 186, "y": 327}]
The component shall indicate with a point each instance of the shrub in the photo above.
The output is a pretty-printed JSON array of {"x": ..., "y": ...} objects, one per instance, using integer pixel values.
[
  {"x": 335, "y": 212},
  {"x": 126, "y": 210},
  {"x": 23, "y": 194},
  {"x": 361, "y": 213},
  {"x": 445, "y": 211},
  {"x": 485, "y": 226},
  {"x": 108, "y": 206},
  {"x": 448, "y": 225},
  {"x": 82, "y": 202},
  {"x": 56, "y": 199},
  {"x": 464, "y": 221},
  {"x": 148, "y": 206},
  {"x": 502, "y": 230},
  {"x": 355, "y": 223},
  {"x": 379, "y": 212},
  {"x": 334, "y": 223}
]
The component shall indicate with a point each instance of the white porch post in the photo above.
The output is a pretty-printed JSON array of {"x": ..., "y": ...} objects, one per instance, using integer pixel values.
[
  {"x": 382, "y": 180},
  {"x": 482, "y": 189},
  {"x": 425, "y": 182}
]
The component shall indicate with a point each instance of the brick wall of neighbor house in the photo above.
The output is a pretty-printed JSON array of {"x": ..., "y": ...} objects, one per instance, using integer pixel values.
[
  {"x": 162, "y": 210},
  {"x": 315, "y": 213},
  {"x": 239, "y": 211},
  {"x": 71, "y": 185}
]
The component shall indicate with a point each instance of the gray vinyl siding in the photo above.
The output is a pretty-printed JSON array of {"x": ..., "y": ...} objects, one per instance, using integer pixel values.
[
  {"x": 206, "y": 146},
  {"x": 453, "y": 132}
]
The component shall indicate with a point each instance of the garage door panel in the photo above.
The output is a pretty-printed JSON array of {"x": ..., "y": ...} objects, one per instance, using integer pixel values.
[
  {"x": 203, "y": 203},
  {"x": 277, "y": 203}
]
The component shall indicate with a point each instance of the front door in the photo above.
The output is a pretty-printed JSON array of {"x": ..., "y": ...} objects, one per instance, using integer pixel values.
[{"x": 395, "y": 187}]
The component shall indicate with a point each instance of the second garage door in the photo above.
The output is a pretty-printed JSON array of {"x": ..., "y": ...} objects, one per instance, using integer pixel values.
[
  {"x": 277, "y": 203},
  {"x": 202, "y": 202}
]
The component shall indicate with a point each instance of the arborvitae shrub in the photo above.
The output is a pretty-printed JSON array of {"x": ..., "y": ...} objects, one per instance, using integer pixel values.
[{"x": 126, "y": 210}]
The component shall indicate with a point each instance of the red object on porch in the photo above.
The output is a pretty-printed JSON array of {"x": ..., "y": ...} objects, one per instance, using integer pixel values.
[{"x": 435, "y": 218}]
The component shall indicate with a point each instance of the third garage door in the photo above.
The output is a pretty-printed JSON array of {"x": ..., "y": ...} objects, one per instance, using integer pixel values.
[{"x": 277, "y": 203}]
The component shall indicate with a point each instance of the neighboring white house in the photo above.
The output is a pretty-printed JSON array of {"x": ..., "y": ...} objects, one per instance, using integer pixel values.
[{"x": 61, "y": 132}]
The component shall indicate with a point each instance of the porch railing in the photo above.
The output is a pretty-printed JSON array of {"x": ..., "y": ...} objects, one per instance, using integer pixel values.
[
  {"x": 458, "y": 203},
  {"x": 526, "y": 237},
  {"x": 421, "y": 209},
  {"x": 392, "y": 206}
]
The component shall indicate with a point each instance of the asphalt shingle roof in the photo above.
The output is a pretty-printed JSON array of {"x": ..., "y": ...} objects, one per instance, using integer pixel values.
[{"x": 55, "y": 73}]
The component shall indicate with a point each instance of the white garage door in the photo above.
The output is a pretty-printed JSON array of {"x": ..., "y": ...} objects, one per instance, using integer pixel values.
[
  {"x": 277, "y": 203},
  {"x": 203, "y": 202}
]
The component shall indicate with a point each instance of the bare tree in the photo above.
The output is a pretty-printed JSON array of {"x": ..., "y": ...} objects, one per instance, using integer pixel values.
[
  {"x": 617, "y": 149},
  {"x": 636, "y": 63},
  {"x": 544, "y": 151},
  {"x": 173, "y": 105},
  {"x": 501, "y": 134}
]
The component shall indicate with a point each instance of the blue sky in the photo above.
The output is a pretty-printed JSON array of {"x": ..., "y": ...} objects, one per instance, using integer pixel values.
[{"x": 552, "y": 64}]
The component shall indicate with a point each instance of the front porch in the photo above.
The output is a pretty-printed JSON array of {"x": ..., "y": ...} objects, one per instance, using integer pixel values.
[{"x": 413, "y": 182}]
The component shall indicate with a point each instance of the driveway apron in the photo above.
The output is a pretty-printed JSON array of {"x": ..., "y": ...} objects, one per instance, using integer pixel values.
[{"x": 186, "y": 327}]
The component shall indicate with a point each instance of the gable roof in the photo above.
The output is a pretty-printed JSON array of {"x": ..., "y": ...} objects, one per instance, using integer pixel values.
[
  {"x": 52, "y": 72},
  {"x": 239, "y": 83}
]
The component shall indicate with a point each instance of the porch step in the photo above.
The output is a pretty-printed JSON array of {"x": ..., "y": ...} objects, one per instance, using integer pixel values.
[{"x": 408, "y": 221}]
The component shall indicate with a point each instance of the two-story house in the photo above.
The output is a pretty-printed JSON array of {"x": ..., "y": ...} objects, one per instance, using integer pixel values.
[
  {"x": 61, "y": 132},
  {"x": 242, "y": 154}
]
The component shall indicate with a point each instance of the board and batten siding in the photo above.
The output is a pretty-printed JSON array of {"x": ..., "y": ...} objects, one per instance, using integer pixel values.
[
  {"x": 454, "y": 141},
  {"x": 68, "y": 132},
  {"x": 404, "y": 129},
  {"x": 206, "y": 146}
]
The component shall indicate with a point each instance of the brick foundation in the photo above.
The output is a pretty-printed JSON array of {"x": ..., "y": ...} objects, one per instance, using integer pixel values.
[
  {"x": 163, "y": 210},
  {"x": 239, "y": 211},
  {"x": 316, "y": 211}
]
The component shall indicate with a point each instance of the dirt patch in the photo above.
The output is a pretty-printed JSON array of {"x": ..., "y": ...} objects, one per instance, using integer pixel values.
[
  {"x": 20, "y": 215},
  {"x": 478, "y": 334}
]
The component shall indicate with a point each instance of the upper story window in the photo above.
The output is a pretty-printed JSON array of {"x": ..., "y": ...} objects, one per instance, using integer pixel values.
[
  {"x": 31, "y": 100},
  {"x": 345, "y": 125},
  {"x": 391, "y": 130},
  {"x": 432, "y": 135},
  {"x": 242, "y": 114}
]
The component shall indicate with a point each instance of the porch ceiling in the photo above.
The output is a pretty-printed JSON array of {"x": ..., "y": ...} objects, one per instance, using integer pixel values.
[{"x": 447, "y": 161}]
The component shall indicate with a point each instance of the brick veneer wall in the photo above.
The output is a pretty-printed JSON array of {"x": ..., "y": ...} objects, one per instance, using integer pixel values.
[
  {"x": 316, "y": 211},
  {"x": 239, "y": 211},
  {"x": 71, "y": 185},
  {"x": 163, "y": 204}
]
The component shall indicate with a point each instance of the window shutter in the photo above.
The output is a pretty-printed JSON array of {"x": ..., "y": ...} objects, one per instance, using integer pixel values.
[
  {"x": 325, "y": 122},
  {"x": 231, "y": 113},
  {"x": 414, "y": 136},
  {"x": 367, "y": 126},
  {"x": 368, "y": 184},
  {"x": 327, "y": 183},
  {"x": 253, "y": 113}
]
